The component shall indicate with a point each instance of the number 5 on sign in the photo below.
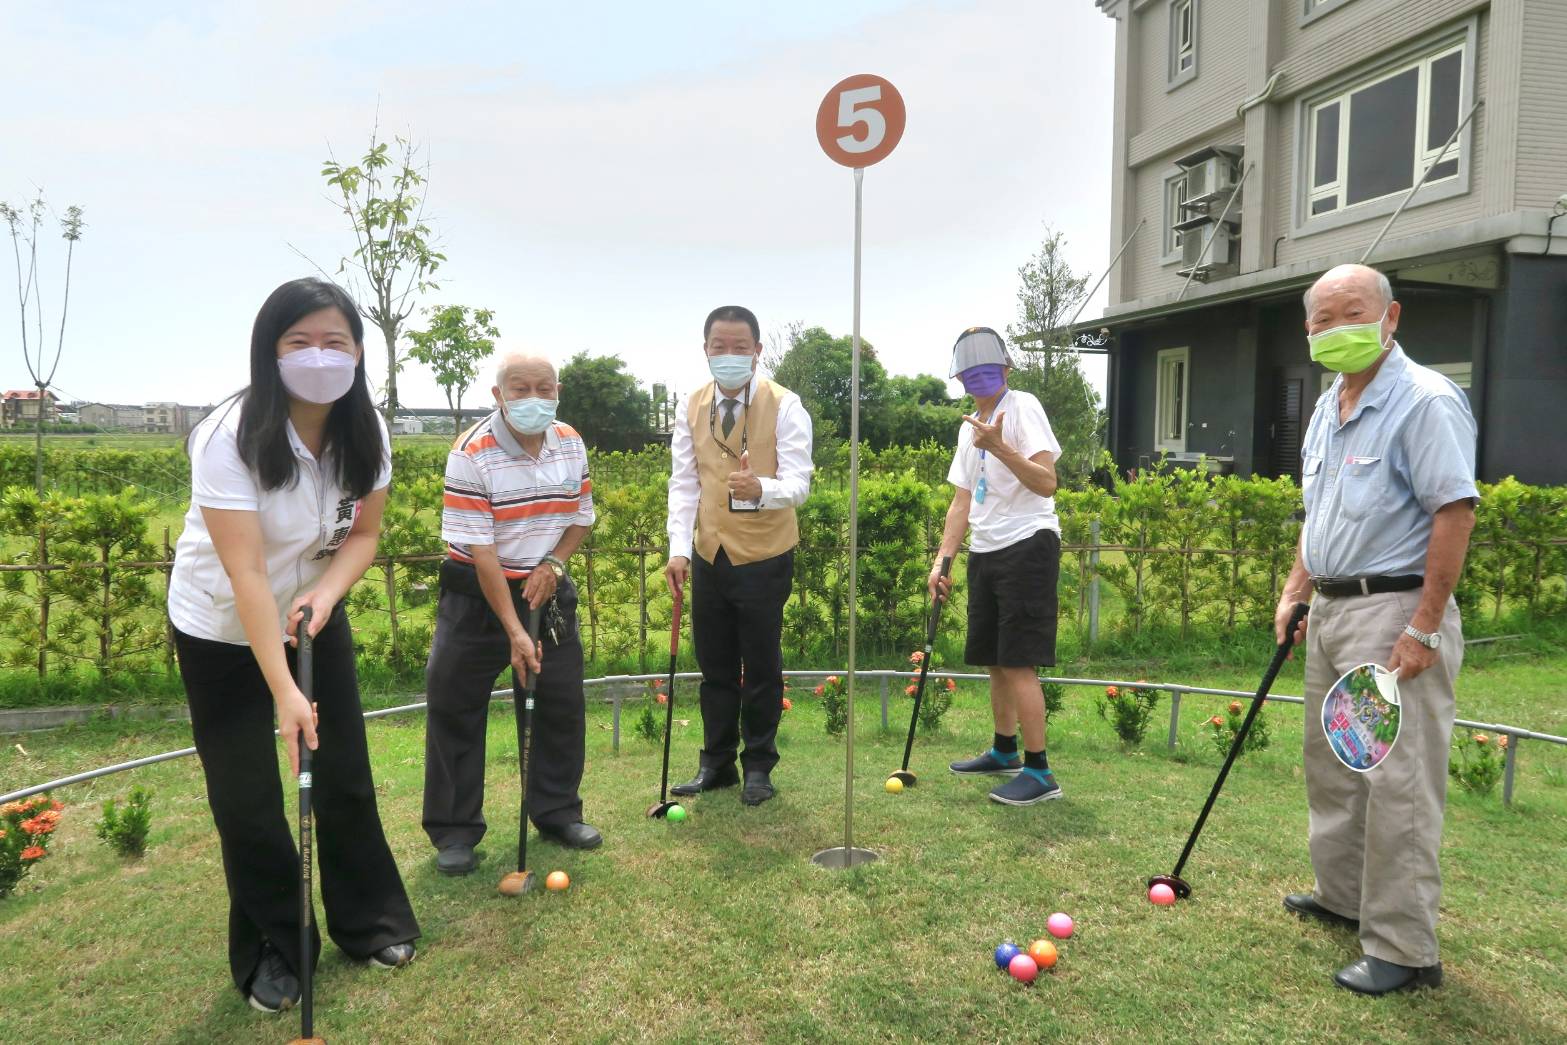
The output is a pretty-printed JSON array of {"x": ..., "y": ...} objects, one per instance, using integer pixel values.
[{"x": 860, "y": 121}]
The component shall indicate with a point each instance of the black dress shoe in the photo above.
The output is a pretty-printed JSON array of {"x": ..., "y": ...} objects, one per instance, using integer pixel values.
[
  {"x": 456, "y": 860},
  {"x": 758, "y": 789},
  {"x": 1306, "y": 905},
  {"x": 1373, "y": 976},
  {"x": 574, "y": 836},
  {"x": 707, "y": 779}
]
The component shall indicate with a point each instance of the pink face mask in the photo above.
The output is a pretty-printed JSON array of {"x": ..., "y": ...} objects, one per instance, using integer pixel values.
[{"x": 317, "y": 375}]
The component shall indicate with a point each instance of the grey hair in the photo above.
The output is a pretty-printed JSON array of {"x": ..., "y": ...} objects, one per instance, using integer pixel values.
[
  {"x": 516, "y": 360},
  {"x": 1384, "y": 287}
]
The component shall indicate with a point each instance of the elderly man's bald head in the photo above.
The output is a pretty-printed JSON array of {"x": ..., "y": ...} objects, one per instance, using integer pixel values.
[
  {"x": 1361, "y": 279},
  {"x": 519, "y": 364}
]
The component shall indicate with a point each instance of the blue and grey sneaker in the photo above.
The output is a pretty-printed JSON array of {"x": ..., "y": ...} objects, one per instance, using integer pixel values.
[
  {"x": 991, "y": 763},
  {"x": 1028, "y": 787}
]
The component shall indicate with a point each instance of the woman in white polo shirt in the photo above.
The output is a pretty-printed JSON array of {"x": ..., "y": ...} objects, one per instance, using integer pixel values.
[{"x": 288, "y": 483}]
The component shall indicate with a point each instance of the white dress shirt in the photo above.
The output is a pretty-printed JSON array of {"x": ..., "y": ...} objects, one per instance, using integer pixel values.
[{"x": 788, "y": 489}]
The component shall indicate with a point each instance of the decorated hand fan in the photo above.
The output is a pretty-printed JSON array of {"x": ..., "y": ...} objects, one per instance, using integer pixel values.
[{"x": 1360, "y": 716}]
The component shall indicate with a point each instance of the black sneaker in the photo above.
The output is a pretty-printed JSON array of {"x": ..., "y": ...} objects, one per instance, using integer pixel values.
[
  {"x": 274, "y": 986},
  {"x": 991, "y": 763},
  {"x": 392, "y": 956},
  {"x": 1028, "y": 787}
]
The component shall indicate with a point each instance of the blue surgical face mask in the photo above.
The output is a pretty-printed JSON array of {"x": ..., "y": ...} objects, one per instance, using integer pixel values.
[
  {"x": 530, "y": 416},
  {"x": 731, "y": 371}
]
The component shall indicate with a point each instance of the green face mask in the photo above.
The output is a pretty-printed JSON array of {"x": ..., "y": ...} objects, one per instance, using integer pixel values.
[{"x": 1348, "y": 349}]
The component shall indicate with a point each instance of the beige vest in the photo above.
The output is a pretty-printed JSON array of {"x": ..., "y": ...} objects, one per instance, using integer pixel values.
[{"x": 744, "y": 536}]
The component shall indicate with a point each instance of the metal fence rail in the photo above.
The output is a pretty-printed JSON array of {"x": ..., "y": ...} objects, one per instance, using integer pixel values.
[{"x": 884, "y": 676}]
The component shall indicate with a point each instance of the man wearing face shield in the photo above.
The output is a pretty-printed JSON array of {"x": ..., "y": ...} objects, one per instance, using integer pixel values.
[
  {"x": 1004, "y": 473},
  {"x": 741, "y": 463},
  {"x": 518, "y": 502},
  {"x": 1388, "y": 467}
]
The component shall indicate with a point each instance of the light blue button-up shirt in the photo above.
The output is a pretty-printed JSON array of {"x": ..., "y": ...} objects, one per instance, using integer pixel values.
[{"x": 1373, "y": 483}]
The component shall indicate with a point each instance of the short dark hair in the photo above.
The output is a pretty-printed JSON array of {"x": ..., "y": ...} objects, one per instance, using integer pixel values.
[
  {"x": 732, "y": 314},
  {"x": 352, "y": 442}
]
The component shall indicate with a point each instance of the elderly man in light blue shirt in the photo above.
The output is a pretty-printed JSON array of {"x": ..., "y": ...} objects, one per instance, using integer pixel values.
[{"x": 1388, "y": 477}]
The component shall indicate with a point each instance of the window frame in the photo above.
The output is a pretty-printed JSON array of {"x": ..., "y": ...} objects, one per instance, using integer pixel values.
[
  {"x": 1311, "y": 10},
  {"x": 1421, "y": 56},
  {"x": 1175, "y": 76},
  {"x": 1170, "y": 239},
  {"x": 1162, "y": 359}
]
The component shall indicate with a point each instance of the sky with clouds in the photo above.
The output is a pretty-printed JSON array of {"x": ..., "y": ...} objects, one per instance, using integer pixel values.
[{"x": 601, "y": 175}]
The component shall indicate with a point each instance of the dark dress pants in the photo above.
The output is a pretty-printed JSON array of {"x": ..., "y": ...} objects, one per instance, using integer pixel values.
[
  {"x": 231, "y": 716},
  {"x": 737, "y": 626},
  {"x": 468, "y": 654}
]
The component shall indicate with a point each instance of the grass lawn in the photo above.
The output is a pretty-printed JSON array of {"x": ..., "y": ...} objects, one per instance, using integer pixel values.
[{"x": 720, "y": 929}]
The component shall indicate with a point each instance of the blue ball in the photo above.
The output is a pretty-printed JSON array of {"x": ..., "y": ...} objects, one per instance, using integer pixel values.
[{"x": 1005, "y": 953}]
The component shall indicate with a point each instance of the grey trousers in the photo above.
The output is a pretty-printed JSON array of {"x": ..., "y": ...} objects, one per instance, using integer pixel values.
[
  {"x": 469, "y": 652},
  {"x": 1375, "y": 836}
]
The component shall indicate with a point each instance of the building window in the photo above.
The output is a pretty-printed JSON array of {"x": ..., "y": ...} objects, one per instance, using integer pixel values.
[
  {"x": 1311, "y": 10},
  {"x": 1461, "y": 374},
  {"x": 1174, "y": 196},
  {"x": 1183, "y": 42},
  {"x": 1170, "y": 400},
  {"x": 1370, "y": 142}
]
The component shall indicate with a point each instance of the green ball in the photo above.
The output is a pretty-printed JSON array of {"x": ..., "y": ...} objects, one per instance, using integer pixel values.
[{"x": 676, "y": 814}]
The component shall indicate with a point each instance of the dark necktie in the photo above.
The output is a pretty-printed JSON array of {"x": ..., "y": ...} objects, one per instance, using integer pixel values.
[{"x": 730, "y": 406}]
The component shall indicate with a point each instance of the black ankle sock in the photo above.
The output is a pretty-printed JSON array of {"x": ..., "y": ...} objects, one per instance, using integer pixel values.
[
  {"x": 1035, "y": 760},
  {"x": 1006, "y": 745}
]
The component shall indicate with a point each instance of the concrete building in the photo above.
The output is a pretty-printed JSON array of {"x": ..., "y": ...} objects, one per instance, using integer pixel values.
[
  {"x": 113, "y": 417},
  {"x": 1259, "y": 142},
  {"x": 20, "y": 407}
]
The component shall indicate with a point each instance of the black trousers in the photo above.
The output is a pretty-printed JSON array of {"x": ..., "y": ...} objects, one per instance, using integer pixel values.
[
  {"x": 469, "y": 652},
  {"x": 737, "y": 626},
  {"x": 231, "y": 715}
]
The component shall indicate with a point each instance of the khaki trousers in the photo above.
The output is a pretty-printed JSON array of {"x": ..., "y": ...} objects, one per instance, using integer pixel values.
[{"x": 1375, "y": 836}]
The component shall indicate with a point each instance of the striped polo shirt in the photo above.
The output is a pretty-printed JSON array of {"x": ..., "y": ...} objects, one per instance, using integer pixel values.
[{"x": 497, "y": 493}]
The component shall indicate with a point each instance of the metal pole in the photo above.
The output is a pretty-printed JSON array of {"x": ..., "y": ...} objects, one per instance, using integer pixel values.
[
  {"x": 1431, "y": 167},
  {"x": 849, "y": 856},
  {"x": 1093, "y": 584},
  {"x": 1175, "y": 716},
  {"x": 884, "y": 686},
  {"x": 1102, "y": 276},
  {"x": 1508, "y": 761}
]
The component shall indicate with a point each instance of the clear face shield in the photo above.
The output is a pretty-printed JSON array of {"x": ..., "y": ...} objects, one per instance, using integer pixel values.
[{"x": 979, "y": 346}]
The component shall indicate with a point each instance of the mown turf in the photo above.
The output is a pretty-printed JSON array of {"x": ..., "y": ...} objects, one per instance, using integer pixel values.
[{"x": 720, "y": 929}]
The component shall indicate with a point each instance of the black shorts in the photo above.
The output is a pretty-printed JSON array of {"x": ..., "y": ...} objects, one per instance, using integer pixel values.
[{"x": 1012, "y": 603}]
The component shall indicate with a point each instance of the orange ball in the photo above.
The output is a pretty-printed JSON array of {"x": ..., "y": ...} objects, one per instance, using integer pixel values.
[
  {"x": 556, "y": 881},
  {"x": 1043, "y": 952}
]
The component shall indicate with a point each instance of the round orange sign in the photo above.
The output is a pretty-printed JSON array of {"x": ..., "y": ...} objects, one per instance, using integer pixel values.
[{"x": 860, "y": 121}]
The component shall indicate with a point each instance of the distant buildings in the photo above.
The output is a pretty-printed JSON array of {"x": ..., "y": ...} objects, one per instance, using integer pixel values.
[{"x": 20, "y": 407}]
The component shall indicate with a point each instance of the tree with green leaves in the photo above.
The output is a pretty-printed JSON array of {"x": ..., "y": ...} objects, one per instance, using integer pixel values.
[
  {"x": 24, "y": 223},
  {"x": 604, "y": 403},
  {"x": 395, "y": 253},
  {"x": 457, "y": 339},
  {"x": 1048, "y": 295},
  {"x": 819, "y": 368}
]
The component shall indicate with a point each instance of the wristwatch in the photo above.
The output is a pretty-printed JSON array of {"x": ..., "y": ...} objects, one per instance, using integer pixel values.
[
  {"x": 1427, "y": 639},
  {"x": 556, "y": 566}
]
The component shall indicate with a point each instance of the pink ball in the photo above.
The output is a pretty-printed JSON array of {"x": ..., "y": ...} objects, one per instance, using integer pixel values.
[
  {"x": 1023, "y": 968},
  {"x": 1060, "y": 925},
  {"x": 1162, "y": 895}
]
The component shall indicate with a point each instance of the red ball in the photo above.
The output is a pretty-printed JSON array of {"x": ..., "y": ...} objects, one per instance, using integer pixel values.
[{"x": 1023, "y": 968}]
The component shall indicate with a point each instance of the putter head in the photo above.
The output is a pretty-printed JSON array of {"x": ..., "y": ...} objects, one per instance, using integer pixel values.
[
  {"x": 1177, "y": 884},
  {"x": 659, "y": 810},
  {"x": 519, "y": 882},
  {"x": 308, "y": 1041},
  {"x": 905, "y": 777}
]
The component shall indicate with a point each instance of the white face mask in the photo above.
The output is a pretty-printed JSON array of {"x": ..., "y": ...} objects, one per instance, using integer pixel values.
[{"x": 317, "y": 375}]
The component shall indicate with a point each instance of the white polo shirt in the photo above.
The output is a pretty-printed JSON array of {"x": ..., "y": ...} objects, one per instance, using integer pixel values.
[
  {"x": 1011, "y": 512},
  {"x": 301, "y": 526}
]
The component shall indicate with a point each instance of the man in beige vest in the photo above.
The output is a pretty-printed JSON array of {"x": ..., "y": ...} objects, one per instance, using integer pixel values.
[{"x": 742, "y": 462}]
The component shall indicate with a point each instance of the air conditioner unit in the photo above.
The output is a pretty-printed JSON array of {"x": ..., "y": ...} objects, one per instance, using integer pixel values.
[{"x": 1223, "y": 253}]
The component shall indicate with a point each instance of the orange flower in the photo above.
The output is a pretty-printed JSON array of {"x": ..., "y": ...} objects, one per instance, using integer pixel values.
[
  {"x": 2, "y": 832},
  {"x": 661, "y": 698},
  {"x": 1482, "y": 739},
  {"x": 1235, "y": 707},
  {"x": 1112, "y": 692},
  {"x": 917, "y": 657},
  {"x": 908, "y": 691},
  {"x": 34, "y": 852},
  {"x": 1501, "y": 741},
  {"x": 57, "y": 806},
  {"x": 12, "y": 809},
  {"x": 951, "y": 685},
  {"x": 832, "y": 680},
  {"x": 819, "y": 690},
  {"x": 1216, "y": 721},
  {"x": 37, "y": 826},
  {"x": 787, "y": 704}
]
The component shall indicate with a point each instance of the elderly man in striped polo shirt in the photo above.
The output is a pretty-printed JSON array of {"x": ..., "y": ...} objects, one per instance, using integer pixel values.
[{"x": 518, "y": 503}]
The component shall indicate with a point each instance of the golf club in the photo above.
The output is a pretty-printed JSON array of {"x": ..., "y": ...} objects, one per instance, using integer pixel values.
[
  {"x": 662, "y": 807},
  {"x": 1174, "y": 880},
  {"x": 523, "y": 880},
  {"x": 307, "y": 686},
  {"x": 909, "y": 779}
]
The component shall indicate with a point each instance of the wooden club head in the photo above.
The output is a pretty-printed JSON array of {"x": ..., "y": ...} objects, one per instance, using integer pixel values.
[{"x": 518, "y": 882}]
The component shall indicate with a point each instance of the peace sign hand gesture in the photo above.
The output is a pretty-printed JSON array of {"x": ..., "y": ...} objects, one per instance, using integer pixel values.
[{"x": 988, "y": 437}]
